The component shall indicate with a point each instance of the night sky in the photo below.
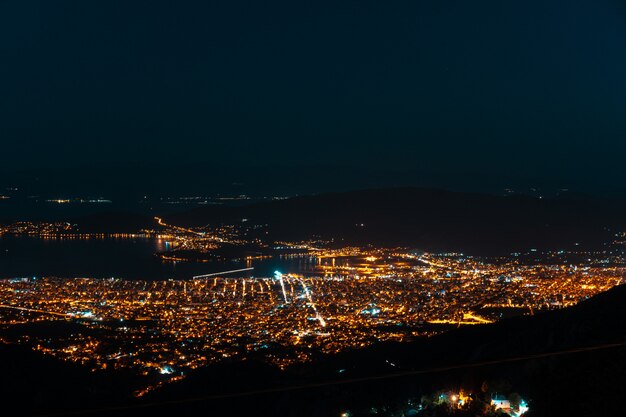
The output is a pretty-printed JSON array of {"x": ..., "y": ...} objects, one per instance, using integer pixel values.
[{"x": 529, "y": 88}]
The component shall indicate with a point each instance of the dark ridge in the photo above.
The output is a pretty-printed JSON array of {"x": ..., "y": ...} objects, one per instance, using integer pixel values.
[
  {"x": 32, "y": 384},
  {"x": 112, "y": 222},
  {"x": 431, "y": 219}
]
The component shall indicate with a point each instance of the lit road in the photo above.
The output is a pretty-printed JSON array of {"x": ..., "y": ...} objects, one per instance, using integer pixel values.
[{"x": 215, "y": 274}]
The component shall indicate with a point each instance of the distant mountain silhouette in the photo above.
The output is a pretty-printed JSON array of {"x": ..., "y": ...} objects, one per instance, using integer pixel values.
[
  {"x": 427, "y": 218},
  {"x": 112, "y": 222}
]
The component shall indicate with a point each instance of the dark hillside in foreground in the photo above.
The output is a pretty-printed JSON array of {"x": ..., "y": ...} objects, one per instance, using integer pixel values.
[
  {"x": 33, "y": 384},
  {"x": 584, "y": 377},
  {"x": 429, "y": 219},
  {"x": 508, "y": 355}
]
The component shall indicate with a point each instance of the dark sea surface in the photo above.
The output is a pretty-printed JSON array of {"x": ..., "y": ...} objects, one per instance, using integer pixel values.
[{"x": 23, "y": 256}]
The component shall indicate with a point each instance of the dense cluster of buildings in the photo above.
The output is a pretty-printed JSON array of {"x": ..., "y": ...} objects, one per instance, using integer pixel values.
[
  {"x": 28, "y": 228},
  {"x": 355, "y": 298}
]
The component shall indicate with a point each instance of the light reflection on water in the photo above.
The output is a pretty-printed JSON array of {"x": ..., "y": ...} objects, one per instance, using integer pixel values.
[{"x": 24, "y": 256}]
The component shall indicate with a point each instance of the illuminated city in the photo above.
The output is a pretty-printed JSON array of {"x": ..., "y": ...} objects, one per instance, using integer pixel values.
[
  {"x": 356, "y": 297},
  {"x": 312, "y": 209}
]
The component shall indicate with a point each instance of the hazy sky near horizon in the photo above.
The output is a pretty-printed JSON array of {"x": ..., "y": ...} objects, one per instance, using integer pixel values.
[{"x": 532, "y": 87}]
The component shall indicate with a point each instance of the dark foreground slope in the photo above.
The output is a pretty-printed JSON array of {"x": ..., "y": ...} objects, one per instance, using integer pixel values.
[
  {"x": 428, "y": 219},
  {"x": 569, "y": 362},
  {"x": 33, "y": 384}
]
